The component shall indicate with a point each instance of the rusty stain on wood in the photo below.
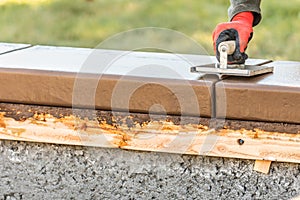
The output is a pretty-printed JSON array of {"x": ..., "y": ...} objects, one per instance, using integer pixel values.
[{"x": 2, "y": 123}]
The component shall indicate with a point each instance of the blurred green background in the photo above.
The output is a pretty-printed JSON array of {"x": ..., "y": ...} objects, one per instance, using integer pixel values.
[{"x": 85, "y": 23}]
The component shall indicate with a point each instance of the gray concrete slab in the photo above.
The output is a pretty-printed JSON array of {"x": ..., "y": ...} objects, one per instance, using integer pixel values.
[
  {"x": 270, "y": 97},
  {"x": 100, "y": 61}
]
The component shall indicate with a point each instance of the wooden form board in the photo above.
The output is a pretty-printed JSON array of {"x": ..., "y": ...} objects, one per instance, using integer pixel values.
[{"x": 145, "y": 132}]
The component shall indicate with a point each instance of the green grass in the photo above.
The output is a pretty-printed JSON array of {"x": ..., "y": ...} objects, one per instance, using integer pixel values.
[{"x": 87, "y": 23}]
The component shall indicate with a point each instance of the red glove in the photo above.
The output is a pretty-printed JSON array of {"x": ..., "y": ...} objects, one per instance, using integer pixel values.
[{"x": 239, "y": 29}]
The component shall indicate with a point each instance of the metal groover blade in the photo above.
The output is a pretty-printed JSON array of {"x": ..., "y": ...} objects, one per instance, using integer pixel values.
[{"x": 222, "y": 69}]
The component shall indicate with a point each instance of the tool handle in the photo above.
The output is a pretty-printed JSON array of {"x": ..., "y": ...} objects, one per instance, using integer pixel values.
[{"x": 227, "y": 46}]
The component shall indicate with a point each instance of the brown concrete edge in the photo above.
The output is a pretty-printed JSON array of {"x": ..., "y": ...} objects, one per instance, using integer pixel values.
[
  {"x": 266, "y": 103},
  {"x": 54, "y": 88}
]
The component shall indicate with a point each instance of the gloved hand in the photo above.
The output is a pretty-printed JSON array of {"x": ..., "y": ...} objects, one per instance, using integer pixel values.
[{"x": 239, "y": 29}]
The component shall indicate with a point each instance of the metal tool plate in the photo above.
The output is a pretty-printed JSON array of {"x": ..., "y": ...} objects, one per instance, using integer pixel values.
[{"x": 247, "y": 70}]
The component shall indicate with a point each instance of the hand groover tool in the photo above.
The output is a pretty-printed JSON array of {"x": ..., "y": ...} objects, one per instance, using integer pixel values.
[{"x": 223, "y": 69}]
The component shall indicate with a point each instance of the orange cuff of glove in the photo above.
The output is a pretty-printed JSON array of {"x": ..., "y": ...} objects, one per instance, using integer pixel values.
[{"x": 244, "y": 17}]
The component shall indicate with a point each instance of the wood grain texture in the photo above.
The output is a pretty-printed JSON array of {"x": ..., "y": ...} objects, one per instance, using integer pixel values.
[{"x": 145, "y": 133}]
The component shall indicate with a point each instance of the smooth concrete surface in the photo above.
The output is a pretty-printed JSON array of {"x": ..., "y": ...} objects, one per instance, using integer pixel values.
[
  {"x": 10, "y": 47},
  {"x": 45, "y": 171},
  {"x": 101, "y": 61},
  {"x": 98, "y": 61},
  {"x": 272, "y": 97}
]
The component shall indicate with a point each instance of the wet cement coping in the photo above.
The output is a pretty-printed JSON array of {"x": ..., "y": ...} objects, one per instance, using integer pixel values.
[
  {"x": 271, "y": 97},
  {"x": 110, "y": 92},
  {"x": 146, "y": 82}
]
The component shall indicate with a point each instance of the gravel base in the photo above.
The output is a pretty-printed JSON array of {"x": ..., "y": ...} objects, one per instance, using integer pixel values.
[{"x": 48, "y": 171}]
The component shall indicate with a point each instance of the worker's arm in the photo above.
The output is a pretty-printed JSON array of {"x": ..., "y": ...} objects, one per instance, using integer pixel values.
[
  {"x": 243, "y": 14},
  {"x": 238, "y": 6}
]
